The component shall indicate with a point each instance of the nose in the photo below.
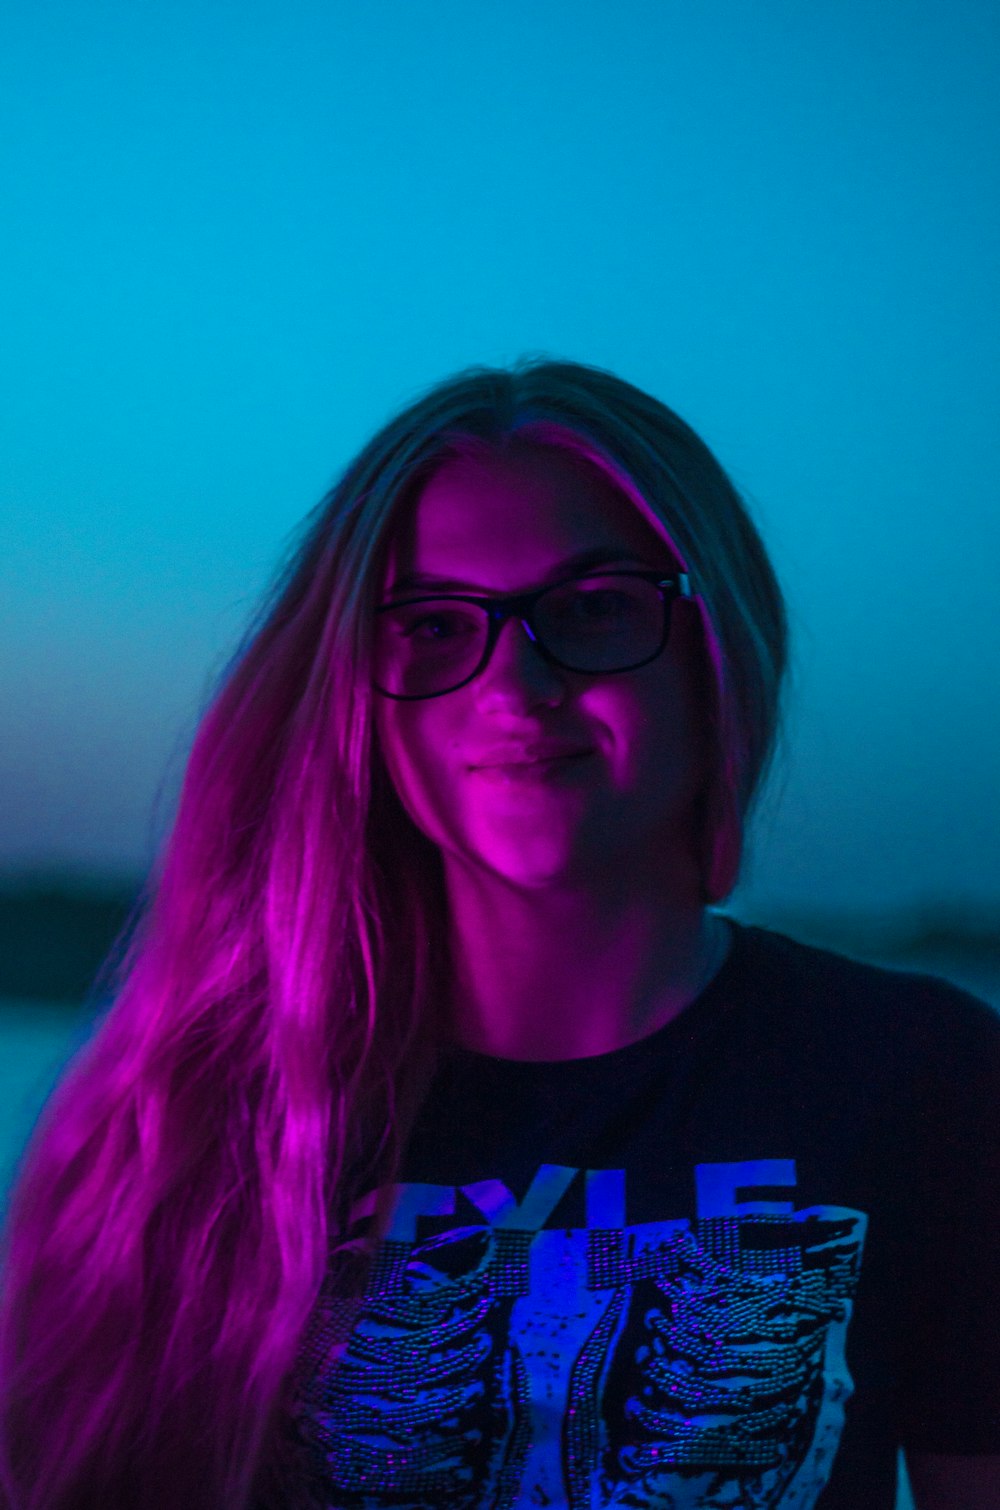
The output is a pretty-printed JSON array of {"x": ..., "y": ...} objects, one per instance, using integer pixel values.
[{"x": 517, "y": 672}]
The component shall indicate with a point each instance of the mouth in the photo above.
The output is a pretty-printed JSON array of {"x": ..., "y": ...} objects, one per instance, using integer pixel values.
[{"x": 533, "y": 770}]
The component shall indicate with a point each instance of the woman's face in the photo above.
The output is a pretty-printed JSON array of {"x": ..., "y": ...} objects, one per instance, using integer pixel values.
[{"x": 505, "y": 525}]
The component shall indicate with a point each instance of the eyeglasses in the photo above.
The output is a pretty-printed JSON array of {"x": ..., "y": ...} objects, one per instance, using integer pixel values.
[{"x": 598, "y": 624}]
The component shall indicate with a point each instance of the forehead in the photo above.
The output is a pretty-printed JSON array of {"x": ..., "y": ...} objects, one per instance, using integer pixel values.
[{"x": 502, "y": 520}]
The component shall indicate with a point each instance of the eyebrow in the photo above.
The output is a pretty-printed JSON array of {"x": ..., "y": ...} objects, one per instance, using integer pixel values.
[{"x": 596, "y": 556}]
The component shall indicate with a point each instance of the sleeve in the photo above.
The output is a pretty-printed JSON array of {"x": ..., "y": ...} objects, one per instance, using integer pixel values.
[{"x": 949, "y": 1374}]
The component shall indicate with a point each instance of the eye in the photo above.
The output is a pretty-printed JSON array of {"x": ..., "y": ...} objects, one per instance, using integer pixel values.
[
  {"x": 604, "y": 602},
  {"x": 422, "y": 625},
  {"x": 596, "y": 605},
  {"x": 437, "y": 626}
]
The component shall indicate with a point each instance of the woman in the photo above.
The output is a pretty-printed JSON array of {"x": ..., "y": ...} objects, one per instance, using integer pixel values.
[{"x": 445, "y": 1144}]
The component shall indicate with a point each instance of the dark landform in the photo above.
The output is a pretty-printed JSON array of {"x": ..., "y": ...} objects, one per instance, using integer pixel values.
[{"x": 56, "y": 933}]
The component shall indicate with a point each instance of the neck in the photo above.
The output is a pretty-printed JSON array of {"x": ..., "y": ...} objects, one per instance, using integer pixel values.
[{"x": 543, "y": 977}]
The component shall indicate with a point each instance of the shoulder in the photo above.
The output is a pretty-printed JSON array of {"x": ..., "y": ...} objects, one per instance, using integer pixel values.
[
  {"x": 791, "y": 964},
  {"x": 917, "y": 1019}
]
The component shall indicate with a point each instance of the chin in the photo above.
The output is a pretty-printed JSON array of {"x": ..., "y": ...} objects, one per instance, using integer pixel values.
[{"x": 537, "y": 877}]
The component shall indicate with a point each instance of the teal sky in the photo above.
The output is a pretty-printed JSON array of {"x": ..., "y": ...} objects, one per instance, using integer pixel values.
[{"x": 238, "y": 236}]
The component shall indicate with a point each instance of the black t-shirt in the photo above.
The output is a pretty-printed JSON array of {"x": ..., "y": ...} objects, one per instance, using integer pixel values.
[{"x": 738, "y": 1263}]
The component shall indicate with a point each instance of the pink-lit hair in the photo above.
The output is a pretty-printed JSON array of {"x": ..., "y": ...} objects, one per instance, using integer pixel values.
[{"x": 276, "y": 997}]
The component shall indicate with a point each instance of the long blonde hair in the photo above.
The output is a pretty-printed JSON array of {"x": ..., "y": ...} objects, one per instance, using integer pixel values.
[{"x": 275, "y": 1012}]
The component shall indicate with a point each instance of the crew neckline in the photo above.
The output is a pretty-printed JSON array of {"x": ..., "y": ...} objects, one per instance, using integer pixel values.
[{"x": 473, "y": 1061}]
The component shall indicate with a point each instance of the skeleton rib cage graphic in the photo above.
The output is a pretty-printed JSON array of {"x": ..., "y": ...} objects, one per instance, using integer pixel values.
[{"x": 709, "y": 1349}]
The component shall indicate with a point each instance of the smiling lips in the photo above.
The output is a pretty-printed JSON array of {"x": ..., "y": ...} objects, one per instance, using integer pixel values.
[
  {"x": 539, "y": 752},
  {"x": 531, "y": 765}
]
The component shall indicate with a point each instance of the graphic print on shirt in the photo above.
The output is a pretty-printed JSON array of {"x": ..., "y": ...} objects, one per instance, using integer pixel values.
[{"x": 665, "y": 1364}]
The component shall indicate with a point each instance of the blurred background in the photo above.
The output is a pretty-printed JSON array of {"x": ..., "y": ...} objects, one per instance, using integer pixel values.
[{"x": 240, "y": 236}]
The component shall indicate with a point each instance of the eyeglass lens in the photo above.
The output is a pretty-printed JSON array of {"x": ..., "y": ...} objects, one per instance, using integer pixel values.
[{"x": 591, "y": 625}]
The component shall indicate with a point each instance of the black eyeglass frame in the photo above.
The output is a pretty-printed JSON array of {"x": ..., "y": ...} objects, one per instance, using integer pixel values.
[{"x": 521, "y": 606}]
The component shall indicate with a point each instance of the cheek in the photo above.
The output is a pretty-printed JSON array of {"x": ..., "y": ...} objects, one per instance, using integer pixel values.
[
  {"x": 656, "y": 729},
  {"x": 412, "y": 742}
]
